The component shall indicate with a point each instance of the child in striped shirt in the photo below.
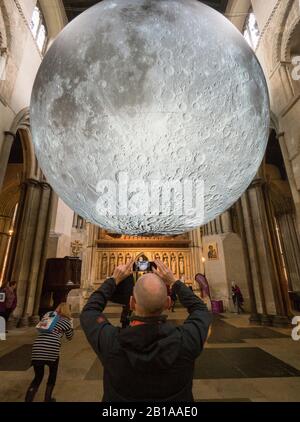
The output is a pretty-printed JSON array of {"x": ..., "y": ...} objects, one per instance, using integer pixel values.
[{"x": 45, "y": 352}]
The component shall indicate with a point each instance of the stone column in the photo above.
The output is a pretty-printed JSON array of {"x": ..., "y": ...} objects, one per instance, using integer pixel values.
[
  {"x": 196, "y": 252},
  {"x": 254, "y": 317},
  {"x": 274, "y": 258},
  {"x": 88, "y": 260},
  {"x": 291, "y": 246},
  {"x": 253, "y": 255},
  {"x": 24, "y": 249},
  {"x": 193, "y": 265},
  {"x": 39, "y": 245},
  {"x": 41, "y": 271},
  {"x": 218, "y": 225},
  {"x": 281, "y": 286},
  {"x": 261, "y": 237},
  {"x": 8, "y": 140},
  {"x": 226, "y": 222}
]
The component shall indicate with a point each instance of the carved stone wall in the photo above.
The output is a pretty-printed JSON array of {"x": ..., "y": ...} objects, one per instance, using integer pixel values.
[{"x": 179, "y": 260}]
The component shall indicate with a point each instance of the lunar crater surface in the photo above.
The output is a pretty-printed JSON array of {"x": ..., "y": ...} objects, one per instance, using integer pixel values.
[{"x": 144, "y": 92}]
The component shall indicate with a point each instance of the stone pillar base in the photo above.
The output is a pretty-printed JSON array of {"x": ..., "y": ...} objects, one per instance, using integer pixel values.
[
  {"x": 12, "y": 323},
  {"x": 265, "y": 320},
  {"x": 254, "y": 319},
  {"x": 280, "y": 321},
  {"x": 23, "y": 322}
]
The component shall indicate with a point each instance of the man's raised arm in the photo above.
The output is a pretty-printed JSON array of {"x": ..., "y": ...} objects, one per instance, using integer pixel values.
[
  {"x": 196, "y": 326},
  {"x": 94, "y": 324}
]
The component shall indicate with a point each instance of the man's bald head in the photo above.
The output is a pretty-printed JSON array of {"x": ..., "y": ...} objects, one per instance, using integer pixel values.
[{"x": 150, "y": 294}]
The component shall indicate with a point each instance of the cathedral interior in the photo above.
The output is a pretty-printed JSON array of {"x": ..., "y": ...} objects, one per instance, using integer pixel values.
[{"x": 55, "y": 255}]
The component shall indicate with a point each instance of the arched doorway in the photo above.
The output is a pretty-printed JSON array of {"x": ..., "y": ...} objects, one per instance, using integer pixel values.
[
  {"x": 25, "y": 209},
  {"x": 10, "y": 196}
]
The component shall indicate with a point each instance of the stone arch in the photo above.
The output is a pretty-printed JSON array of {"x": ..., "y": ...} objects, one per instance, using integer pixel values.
[
  {"x": 21, "y": 124},
  {"x": 291, "y": 37},
  {"x": 18, "y": 169},
  {"x": 21, "y": 121},
  {"x": 274, "y": 126},
  {"x": 5, "y": 32},
  {"x": 55, "y": 17},
  {"x": 13, "y": 196},
  {"x": 10, "y": 194},
  {"x": 237, "y": 12},
  {"x": 284, "y": 11},
  {"x": 3, "y": 42}
]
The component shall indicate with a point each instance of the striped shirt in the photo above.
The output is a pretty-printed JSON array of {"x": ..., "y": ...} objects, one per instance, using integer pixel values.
[{"x": 47, "y": 345}]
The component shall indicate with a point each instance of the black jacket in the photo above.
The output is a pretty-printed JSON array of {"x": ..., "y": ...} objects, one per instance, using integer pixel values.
[{"x": 152, "y": 362}]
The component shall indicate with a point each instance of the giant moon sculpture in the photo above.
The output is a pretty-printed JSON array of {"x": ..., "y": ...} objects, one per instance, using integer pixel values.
[{"x": 138, "y": 92}]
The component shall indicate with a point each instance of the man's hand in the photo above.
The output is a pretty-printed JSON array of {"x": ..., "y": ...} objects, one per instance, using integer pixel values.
[
  {"x": 164, "y": 272},
  {"x": 122, "y": 271}
]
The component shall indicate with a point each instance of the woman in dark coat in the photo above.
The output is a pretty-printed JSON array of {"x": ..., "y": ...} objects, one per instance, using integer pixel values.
[{"x": 237, "y": 297}]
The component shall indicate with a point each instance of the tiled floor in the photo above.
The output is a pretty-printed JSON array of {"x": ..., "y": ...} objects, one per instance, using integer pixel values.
[{"x": 240, "y": 363}]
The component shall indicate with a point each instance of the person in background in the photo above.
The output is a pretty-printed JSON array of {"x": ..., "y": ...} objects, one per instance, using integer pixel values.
[
  {"x": 204, "y": 289},
  {"x": 45, "y": 352},
  {"x": 203, "y": 285},
  {"x": 237, "y": 297},
  {"x": 10, "y": 303}
]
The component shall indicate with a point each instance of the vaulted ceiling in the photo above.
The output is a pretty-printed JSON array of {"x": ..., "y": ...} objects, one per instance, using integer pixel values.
[{"x": 75, "y": 7}]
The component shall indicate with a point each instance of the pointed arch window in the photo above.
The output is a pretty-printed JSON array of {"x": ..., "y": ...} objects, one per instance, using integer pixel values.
[
  {"x": 38, "y": 28},
  {"x": 251, "y": 31}
]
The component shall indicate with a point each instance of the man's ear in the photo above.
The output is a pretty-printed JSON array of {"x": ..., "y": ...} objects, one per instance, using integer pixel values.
[
  {"x": 132, "y": 303},
  {"x": 168, "y": 303}
]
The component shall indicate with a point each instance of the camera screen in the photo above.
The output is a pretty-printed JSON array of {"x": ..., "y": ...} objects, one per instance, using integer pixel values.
[{"x": 143, "y": 266}]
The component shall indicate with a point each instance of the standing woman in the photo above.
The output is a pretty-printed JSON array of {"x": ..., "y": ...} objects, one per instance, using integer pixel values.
[
  {"x": 237, "y": 297},
  {"x": 45, "y": 352},
  {"x": 204, "y": 289}
]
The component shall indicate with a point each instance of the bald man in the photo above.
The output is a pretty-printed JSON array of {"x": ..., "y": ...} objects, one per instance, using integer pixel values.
[{"x": 152, "y": 359}]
